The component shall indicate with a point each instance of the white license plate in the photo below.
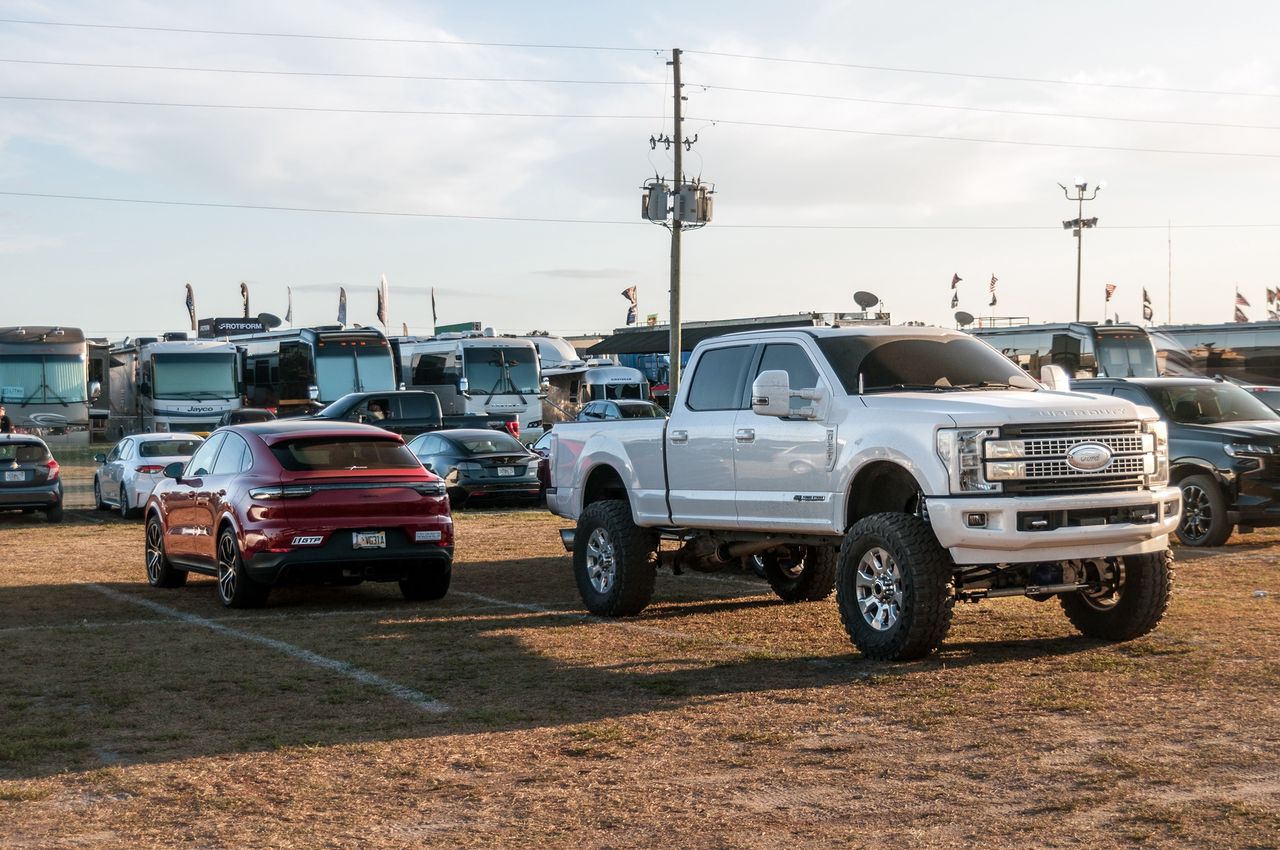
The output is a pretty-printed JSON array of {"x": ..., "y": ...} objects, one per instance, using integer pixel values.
[
  {"x": 15, "y": 476},
  {"x": 369, "y": 540},
  {"x": 506, "y": 471}
]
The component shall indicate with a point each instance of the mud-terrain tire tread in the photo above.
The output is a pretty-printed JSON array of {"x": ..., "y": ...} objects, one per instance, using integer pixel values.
[
  {"x": 816, "y": 581},
  {"x": 1144, "y": 597},
  {"x": 636, "y": 571},
  {"x": 928, "y": 587}
]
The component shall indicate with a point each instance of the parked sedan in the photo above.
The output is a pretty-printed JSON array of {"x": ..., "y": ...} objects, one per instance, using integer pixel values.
[
  {"x": 479, "y": 464},
  {"x": 30, "y": 479},
  {"x": 129, "y": 473},
  {"x": 299, "y": 502},
  {"x": 1224, "y": 452}
]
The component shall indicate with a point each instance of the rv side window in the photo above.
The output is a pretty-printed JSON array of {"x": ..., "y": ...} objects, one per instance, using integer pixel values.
[{"x": 431, "y": 369}]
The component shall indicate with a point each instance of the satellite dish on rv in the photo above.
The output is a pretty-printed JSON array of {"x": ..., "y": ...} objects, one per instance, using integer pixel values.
[
  {"x": 964, "y": 319},
  {"x": 269, "y": 319},
  {"x": 866, "y": 300}
]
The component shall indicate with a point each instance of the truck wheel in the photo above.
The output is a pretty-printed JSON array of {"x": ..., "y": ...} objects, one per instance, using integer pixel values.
[
  {"x": 1204, "y": 513},
  {"x": 1135, "y": 594},
  {"x": 613, "y": 560},
  {"x": 894, "y": 587},
  {"x": 429, "y": 581},
  {"x": 809, "y": 578}
]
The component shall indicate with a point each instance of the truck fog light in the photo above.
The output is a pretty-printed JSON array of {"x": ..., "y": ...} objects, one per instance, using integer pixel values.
[
  {"x": 1172, "y": 507},
  {"x": 1006, "y": 471},
  {"x": 975, "y": 520}
]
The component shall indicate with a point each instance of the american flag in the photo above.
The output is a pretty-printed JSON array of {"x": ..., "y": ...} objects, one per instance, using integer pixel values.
[
  {"x": 1111, "y": 290},
  {"x": 1273, "y": 295},
  {"x": 630, "y": 294},
  {"x": 1147, "y": 312},
  {"x": 1240, "y": 300},
  {"x": 244, "y": 296},
  {"x": 1240, "y": 316}
]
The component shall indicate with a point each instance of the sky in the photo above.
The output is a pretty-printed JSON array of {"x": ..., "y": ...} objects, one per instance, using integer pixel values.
[{"x": 890, "y": 177}]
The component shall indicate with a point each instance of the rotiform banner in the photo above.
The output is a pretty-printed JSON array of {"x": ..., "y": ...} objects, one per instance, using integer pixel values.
[{"x": 213, "y": 328}]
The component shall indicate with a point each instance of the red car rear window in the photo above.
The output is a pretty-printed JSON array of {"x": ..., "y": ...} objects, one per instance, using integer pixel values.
[{"x": 335, "y": 453}]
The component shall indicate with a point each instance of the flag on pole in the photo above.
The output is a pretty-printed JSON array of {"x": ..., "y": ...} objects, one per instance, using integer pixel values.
[
  {"x": 1241, "y": 301},
  {"x": 955, "y": 300},
  {"x": 1240, "y": 316},
  {"x": 244, "y": 296},
  {"x": 342, "y": 305},
  {"x": 992, "y": 289},
  {"x": 404, "y": 327},
  {"x": 1273, "y": 316},
  {"x": 434, "y": 321},
  {"x": 383, "y": 293},
  {"x": 1111, "y": 290},
  {"x": 630, "y": 294},
  {"x": 191, "y": 305},
  {"x": 955, "y": 278},
  {"x": 288, "y": 315},
  {"x": 1147, "y": 312},
  {"x": 1272, "y": 295}
]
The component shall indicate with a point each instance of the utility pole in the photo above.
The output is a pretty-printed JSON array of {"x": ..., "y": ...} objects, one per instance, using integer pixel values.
[
  {"x": 1077, "y": 226},
  {"x": 673, "y": 381}
]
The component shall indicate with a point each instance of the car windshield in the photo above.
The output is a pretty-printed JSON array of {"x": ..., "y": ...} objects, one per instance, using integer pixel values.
[
  {"x": 23, "y": 453},
  {"x": 195, "y": 375},
  {"x": 334, "y": 453},
  {"x": 1208, "y": 404},
  {"x": 641, "y": 411},
  {"x": 489, "y": 444},
  {"x": 934, "y": 363},
  {"x": 168, "y": 448}
]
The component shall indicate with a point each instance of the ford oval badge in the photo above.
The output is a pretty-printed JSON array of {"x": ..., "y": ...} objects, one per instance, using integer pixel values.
[{"x": 1089, "y": 457}]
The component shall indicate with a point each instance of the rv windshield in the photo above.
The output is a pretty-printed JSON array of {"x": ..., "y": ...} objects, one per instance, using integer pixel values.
[
  {"x": 887, "y": 363},
  {"x": 1125, "y": 355},
  {"x": 195, "y": 375},
  {"x": 342, "y": 369},
  {"x": 629, "y": 390},
  {"x": 501, "y": 370},
  {"x": 42, "y": 379}
]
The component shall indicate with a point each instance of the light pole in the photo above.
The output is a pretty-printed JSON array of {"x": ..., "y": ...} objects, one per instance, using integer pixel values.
[{"x": 1078, "y": 224}]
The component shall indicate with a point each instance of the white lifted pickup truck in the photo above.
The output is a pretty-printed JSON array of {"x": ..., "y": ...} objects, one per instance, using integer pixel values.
[{"x": 908, "y": 467}]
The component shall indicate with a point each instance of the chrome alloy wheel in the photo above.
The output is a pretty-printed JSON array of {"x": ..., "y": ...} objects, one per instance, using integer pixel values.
[
  {"x": 879, "y": 588},
  {"x": 155, "y": 552},
  {"x": 227, "y": 557},
  {"x": 1197, "y": 512},
  {"x": 602, "y": 563}
]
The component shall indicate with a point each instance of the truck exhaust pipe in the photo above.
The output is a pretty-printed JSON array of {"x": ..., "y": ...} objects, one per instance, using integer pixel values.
[{"x": 566, "y": 537}]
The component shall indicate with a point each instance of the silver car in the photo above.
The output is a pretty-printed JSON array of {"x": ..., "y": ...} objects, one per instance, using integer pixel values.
[{"x": 129, "y": 473}]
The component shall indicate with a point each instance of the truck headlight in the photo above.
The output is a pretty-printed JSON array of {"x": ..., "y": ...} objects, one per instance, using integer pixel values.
[
  {"x": 961, "y": 452},
  {"x": 1159, "y": 430}
]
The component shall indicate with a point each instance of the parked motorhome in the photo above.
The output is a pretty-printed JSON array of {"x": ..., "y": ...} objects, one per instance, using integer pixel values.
[
  {"x": 177, "y": 385},
  {"x": 1241, "y": 351},
  {"x": 44, "y": 382},
  {"x": 1083, "y": 349},
  {"x": 473, "y": 374},
  {"x": 298, "y": 371}
]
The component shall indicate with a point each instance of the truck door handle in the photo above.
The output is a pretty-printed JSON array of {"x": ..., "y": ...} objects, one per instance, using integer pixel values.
[
  {"x": 679, "y": 438},
  {"x": 745, "y": 435}
]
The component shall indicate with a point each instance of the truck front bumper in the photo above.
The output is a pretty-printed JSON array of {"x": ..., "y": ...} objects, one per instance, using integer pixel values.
[{"x": 1029, "y": 529}]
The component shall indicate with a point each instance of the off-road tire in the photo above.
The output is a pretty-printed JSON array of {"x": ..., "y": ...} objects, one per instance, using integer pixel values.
[
  {"x": 618, "y": 584},
  {"x": 235, "y": 588},
  {"x": 98, "y": 504},
  {"x": 811, "y": 580},
  {"x": 160, "y": 571},
  {"x": 1137, "y": 608},
  {"x": 1202, "y": 494},
  {"x": 926, "y": 585},
  {"x": 427, "y": 582}
]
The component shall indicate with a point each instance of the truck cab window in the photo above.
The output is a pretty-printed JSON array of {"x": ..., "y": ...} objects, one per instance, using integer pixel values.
[{"x": 718, "y": 379}]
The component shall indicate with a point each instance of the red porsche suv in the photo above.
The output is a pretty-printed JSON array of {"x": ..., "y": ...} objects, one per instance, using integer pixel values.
[{"x": 300, "y": 502}]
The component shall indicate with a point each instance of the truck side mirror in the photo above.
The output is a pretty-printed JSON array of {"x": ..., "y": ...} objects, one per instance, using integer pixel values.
[
  {"x": 464, "y": 387},
  {"x": 1055, "y": 378},
  {"x": 771, "y": 394}
]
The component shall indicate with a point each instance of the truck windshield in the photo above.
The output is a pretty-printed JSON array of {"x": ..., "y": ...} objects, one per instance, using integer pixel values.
[
  {"x": 1209, "y": 405},
  {"x": 342, "y": 369},
  {"x": 887, "y": 363},
  {"x": 1125, "y": 355},
  {"x": 501, "y": 370},
  {"x": 195, "y": 375},
  {"x": 42, "y": 379}
]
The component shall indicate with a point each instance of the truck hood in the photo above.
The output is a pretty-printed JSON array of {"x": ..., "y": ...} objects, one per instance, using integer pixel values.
[
  {"x": 993, "y": 408},
  {"x": 1263, "y": 431}
]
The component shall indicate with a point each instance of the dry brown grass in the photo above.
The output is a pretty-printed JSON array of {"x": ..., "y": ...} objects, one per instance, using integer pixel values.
[{"x": 719, "y": 718}]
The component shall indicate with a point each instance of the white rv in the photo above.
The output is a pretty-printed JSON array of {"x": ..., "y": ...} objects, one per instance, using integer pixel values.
[{"x": 178, "y": 385}]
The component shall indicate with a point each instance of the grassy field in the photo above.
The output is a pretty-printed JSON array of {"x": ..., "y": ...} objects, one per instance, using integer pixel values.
[{"x": 720, "y": 718}]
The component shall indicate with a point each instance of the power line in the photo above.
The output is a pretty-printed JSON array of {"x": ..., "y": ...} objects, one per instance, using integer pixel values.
[
  {"x": 1042, "y": 80},
  {"x": 524, "y": 219},
  {"x": 312, "y": 36},
  {"x": 992, "y": 110},
  {"x": 335, "y": 74},
  {"x": 978, "y": 140},
  {"x": 276, "y": 108}
]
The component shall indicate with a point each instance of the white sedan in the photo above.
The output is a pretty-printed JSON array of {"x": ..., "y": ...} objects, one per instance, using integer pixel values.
[{"x": 135, "y": 464}]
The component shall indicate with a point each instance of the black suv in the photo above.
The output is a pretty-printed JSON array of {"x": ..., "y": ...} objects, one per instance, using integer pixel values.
[{"x": 1224, "y": 451}]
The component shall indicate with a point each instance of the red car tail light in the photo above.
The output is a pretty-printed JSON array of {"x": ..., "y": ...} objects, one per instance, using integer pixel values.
[
  {"x": 53, "y": 469},
  {"x": 151, "y": 469},
  {"x": 293, "y": 491},
  {"x": 513, "y": 428}
]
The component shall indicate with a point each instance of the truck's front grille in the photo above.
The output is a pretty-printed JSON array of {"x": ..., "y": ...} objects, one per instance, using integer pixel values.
[{"x": 1039, "y": 456}]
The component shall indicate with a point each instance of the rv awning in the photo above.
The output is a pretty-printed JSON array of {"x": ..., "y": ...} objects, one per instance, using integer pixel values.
[{"x": 659, "y": 341}]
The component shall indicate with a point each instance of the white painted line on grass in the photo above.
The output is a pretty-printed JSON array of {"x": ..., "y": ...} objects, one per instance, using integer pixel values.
[{"x": 415, "y": 698}]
